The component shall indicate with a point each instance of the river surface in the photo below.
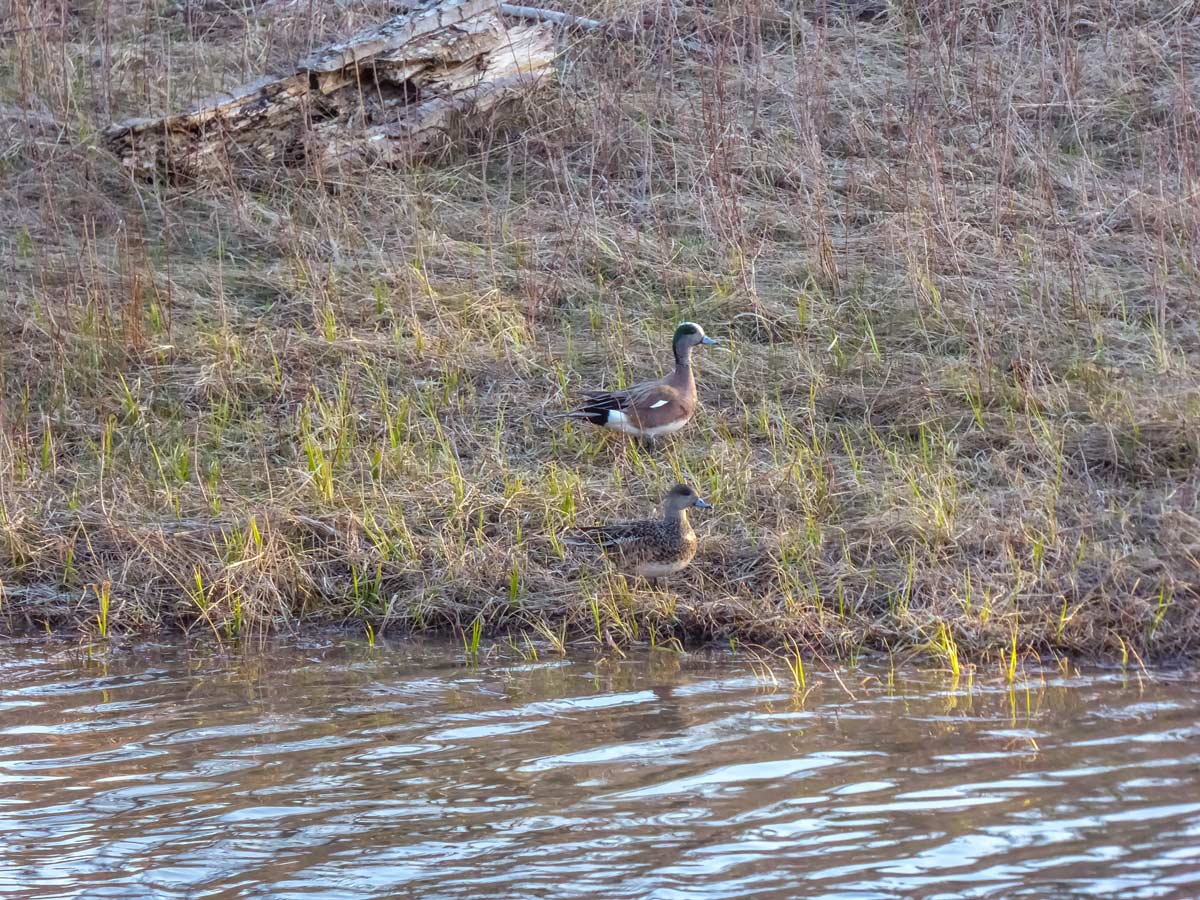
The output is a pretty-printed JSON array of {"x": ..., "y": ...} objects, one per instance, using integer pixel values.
[{"x": 333, "y": 770}]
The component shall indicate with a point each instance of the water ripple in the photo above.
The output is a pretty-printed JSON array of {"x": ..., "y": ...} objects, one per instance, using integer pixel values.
[{"x": 337, "y": 771}]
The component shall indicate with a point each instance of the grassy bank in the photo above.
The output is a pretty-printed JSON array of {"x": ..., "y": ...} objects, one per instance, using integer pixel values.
[{"x": 956, "y": 254}]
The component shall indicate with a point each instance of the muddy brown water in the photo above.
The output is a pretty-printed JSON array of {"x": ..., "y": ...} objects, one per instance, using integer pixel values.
[{"x": 332, "y": 770}]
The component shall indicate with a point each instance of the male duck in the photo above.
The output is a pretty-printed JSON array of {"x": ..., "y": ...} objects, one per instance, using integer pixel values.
[
  {"x": 652, "y": 548},
  {"x": 652, "y": 408}
]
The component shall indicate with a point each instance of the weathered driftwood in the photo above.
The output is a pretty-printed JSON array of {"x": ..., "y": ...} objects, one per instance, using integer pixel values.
[{"x": 384, "y": 94}]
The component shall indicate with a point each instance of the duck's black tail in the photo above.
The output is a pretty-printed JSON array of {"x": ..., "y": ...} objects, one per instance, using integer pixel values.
[
  {"x": 595, "y": 415},
  {"x": 597, "y": 408}
]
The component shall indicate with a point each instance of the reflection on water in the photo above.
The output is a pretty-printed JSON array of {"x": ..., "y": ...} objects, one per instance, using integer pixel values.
[{"x": 334, "y": 771}]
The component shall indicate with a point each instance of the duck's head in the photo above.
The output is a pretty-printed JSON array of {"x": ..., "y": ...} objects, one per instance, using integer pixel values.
[
  {"x": 687, "y": 336},
  {"x": 682, "y": 497}
]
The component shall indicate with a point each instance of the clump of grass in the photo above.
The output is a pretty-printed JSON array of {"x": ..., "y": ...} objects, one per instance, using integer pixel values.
[
  {"x": 794, "y": 661},
  {"x": 960, "y": 414},
  {"x": 103, "y": 602},
  {"x": 471, "y": 640}
]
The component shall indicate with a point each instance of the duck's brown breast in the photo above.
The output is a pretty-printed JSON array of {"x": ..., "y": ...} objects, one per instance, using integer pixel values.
[{"x": 688, "y": 542}]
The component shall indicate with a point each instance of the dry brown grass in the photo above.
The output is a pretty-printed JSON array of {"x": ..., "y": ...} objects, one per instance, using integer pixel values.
[{"x": 957, "y": 253}]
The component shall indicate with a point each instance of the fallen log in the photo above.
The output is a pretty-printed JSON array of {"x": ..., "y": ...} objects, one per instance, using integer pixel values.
[{"x": 386, "y": 93}]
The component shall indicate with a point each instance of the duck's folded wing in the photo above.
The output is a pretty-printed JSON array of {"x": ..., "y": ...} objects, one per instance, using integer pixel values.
[
  {"x": 609, "y": 535},
  {"x": 642, "y": 397}
]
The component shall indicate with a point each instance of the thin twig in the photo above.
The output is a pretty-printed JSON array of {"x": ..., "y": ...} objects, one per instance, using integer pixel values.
[
  {"x": 572, "y": 22},
  {"x": 566, "y": 20}
]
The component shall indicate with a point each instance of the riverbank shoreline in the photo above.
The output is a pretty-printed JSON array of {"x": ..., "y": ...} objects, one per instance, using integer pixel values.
[{"x": 956, "y": 262}]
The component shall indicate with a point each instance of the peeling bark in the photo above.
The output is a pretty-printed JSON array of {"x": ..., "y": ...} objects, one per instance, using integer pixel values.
[{"x": 386, "y": 93}]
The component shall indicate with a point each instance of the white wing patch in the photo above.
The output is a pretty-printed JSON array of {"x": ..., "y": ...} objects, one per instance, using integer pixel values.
[{"x": 659, "y": 403}]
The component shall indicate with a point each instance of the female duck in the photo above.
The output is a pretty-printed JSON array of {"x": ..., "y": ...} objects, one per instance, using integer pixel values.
[{"x": 652, "y": 548}]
